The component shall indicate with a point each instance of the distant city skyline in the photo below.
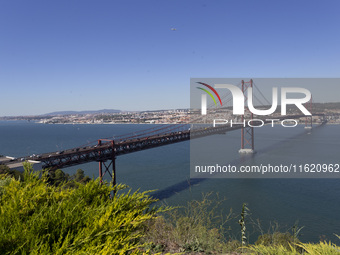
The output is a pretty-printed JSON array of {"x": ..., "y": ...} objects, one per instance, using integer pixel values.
[{"x": 140, "y": 55}]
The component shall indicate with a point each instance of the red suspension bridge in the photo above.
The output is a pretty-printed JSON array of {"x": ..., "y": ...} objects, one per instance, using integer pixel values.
[{"x": 105, "y": 151}]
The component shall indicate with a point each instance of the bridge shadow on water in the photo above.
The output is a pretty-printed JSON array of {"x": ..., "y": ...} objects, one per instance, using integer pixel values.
[{"x": 190, "y": 182}]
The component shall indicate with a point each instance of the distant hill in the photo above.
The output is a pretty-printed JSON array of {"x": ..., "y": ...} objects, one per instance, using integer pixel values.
[{"x": 82, "y": 112}]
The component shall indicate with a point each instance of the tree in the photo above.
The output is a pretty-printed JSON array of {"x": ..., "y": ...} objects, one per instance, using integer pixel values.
[
  {"x": 10, "y": 172},
  {"x": 79, "y": 175}
]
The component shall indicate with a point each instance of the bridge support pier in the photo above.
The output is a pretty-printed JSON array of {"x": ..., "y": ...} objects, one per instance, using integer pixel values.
[
  {"x": 309, "y": 123},
  {"x": 107, "y": 167},
  {"x": 309, "y": 120},
  {"x": 247, "y": 133}
]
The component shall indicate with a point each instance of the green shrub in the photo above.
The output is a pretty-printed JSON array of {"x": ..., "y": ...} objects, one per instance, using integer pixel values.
[
  {"x": 5, "y": 170},
  {"x": 323, "y": 248},
  {"x": 57, "y": 177},
  {"x": 37, "y": 218},
  {"x": 277, "y": 239},
  {"x": 261, "y": 249},
  {"x": 198, "y": 227}
]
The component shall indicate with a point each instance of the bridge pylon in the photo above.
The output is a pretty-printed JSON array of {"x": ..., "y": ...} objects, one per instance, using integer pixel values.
[
  {"x": 247, "y": 132},
  {"x": 112, "y": 162},
  {"x": 309, "y": 119}
]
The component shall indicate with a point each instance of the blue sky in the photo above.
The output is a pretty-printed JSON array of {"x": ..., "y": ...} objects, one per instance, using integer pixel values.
[{"x": 90, "y": 55}]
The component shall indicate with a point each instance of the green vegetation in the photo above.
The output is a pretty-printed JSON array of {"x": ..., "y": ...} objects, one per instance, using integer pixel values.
[
  {"x": 54, "y": 177},
  {"x": 242, "y": 222},
  {"x": 198, "y": 227},
  {"x": 10, "y": 172},
  {"x": 322, "y": 248},
  {"x": 58, "y": 177},
  {"x": 285, "y": 240},
  {"x": 53, "y": 213},
  {"x": 38, "y": 218}
]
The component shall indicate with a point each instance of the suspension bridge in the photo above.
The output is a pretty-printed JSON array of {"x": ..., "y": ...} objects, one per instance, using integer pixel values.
[{"x": 105, "y": 151}]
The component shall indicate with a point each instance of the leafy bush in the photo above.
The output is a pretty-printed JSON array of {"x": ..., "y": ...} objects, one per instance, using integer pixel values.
[
  {"x": 10, "y": 172},
  {"x": 57, "y": 177},
  {"x": 261, "y": 249},
  {"x": 323, "y": 248},
  {"x": 198, "y": 227},
  {"x": 37, "y": 218},
  {"x": 277, "y": 239}
]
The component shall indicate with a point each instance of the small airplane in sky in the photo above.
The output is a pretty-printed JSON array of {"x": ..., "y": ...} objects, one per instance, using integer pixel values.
[{"x": 173, "y": 29}]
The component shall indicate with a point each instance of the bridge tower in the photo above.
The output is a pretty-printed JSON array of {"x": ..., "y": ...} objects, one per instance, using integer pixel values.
[
  {"x": 247, "y": 132},
  {"x": 309, "y": 119},
  {"x": 112, "y": 160}
]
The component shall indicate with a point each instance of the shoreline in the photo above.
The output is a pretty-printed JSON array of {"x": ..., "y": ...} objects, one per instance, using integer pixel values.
[{"x": 127, "y": 123}]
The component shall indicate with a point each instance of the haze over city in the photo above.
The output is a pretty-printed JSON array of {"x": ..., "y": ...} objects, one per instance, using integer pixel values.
[{"x": 140, "y": 55}]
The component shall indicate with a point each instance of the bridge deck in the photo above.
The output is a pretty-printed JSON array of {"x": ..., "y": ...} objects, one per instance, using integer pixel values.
[{"x": 109, "y": 150}]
